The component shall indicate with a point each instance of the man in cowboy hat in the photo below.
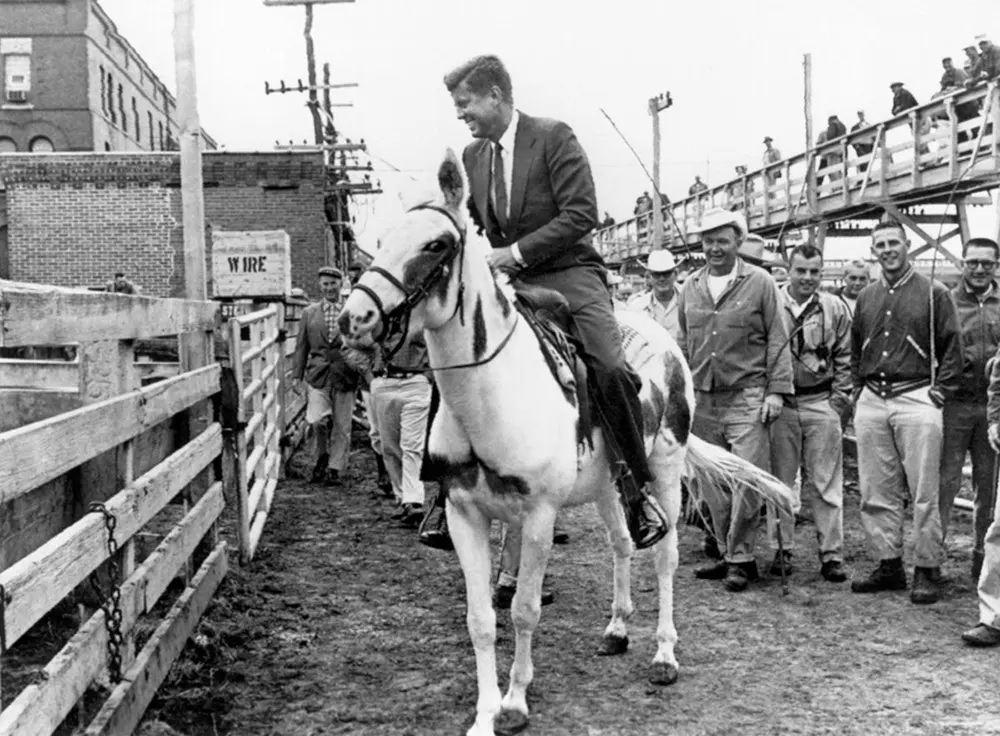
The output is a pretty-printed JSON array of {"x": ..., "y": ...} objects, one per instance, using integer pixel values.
[
  {"x": 660, "y": 300},
  {"x": 736, "y": 343}
]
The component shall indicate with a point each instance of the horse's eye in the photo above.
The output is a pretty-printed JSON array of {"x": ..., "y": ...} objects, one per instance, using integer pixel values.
[{"x": 435, "y": 246}]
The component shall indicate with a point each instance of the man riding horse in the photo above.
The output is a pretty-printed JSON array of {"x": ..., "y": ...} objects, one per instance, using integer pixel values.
[{"x": 533, "y": 193}]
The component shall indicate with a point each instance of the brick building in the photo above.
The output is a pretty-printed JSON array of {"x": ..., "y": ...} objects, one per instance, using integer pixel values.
[
  {"x": 73, "y": 219},
  {"x": 71, "y": 82}
]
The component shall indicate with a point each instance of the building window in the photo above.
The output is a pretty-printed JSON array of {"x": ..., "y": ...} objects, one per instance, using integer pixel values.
[
  {"x": 135, "y": 117},
  {"x": 104, "y": 86},
  {"x": 41, "y": 144},
  {"x": 121, "y": 108},
  {"x": 163, "y": 146},
  {"x": 8, "y": 145},
  {"x": 107, "y": 146},
  {"x": 152, "y": 140},
  {"x": 17, "y": 77},
  {"x": 111, "y": 98}
]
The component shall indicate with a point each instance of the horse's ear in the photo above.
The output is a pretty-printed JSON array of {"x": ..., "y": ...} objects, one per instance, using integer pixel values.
[{"x": 450, "y": 180}]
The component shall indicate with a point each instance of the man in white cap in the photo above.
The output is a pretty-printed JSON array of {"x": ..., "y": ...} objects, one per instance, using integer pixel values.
[
  {"x": 660, "y": 301},
  {"x": 734, "y": 338}
]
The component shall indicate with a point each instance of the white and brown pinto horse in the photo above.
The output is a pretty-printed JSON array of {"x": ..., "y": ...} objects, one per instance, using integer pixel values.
[{"x": 505, "y": 435}]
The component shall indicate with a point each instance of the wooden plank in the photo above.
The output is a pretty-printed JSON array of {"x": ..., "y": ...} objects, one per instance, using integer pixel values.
[
  {"x": 41, "y": 706},
  {"x": 253, "y": 389},
  {"x": 53, "y": 375},
  {"x": 20, "y": 407},
  {"x": 257, "y": 530},
  {"x": 63, "y": 442},
  {"x": 129, "y": 700},
  {"x": 146, "y": 370},
  {"x": 37, "y": 582},
  {"x": 245, "y": 320},
  {"x": 262, "y": 479},
  {"x": 39, "y": 315}
]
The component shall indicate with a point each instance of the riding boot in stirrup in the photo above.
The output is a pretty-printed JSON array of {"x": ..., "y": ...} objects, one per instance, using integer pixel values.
[{"x": 645, "y": 518}]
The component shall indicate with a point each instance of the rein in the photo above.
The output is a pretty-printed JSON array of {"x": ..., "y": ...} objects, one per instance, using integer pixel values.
[{"x": 397, "y": 320}]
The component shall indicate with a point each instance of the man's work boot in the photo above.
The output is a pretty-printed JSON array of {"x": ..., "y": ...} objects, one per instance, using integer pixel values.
[
  {"x": 739, "y": 575},
  {"x": 889, "y": 575},
  {"x": 331, "y": 477},
  {"x": 710, "y": 547},
  {"x": 712, "y": 571},
  {"x": 504, "y": 595},
  {"x": 646, "y": 521},
  {"x": 982, "y": 635},
  {"x": 925, "y": 585},
  {"x": 319, "y": 470}
]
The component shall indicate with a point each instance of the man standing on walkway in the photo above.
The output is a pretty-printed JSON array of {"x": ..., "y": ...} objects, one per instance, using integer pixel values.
[
  {"x": 660, "y": 301},
  {"x": 977, "y": 300},
  {"x": 863, "y": 144},
  {"x": 735, "y": 341},
  {"x": 902, "y": 380},
  {"x": 331, "y": 382},
  {"x": 807, "y": 436},
  {"x": 771, "y": 156}
]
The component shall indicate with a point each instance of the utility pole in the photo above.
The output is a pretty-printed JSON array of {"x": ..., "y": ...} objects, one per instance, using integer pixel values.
[
  {"x": 338, "y": 187},
  {"x": 656, "y": 105}
]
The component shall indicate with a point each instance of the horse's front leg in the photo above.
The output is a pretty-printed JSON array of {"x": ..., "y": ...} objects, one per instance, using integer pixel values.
[
  {"x": 470, "y": 533},
  {"x": 615, "y": 640},
  {"x": 666, "y": 462},
  {"x": 536, "y": 544}
]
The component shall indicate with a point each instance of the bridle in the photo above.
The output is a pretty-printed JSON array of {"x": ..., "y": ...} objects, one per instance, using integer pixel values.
[{"x": 396, "y": 322}]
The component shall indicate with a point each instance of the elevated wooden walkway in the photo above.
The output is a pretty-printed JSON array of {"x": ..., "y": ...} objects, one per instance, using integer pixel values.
[{"x": 944, "y": 152}]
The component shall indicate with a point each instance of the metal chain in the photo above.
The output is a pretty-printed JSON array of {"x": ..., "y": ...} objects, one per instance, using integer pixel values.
[{"x": 110, "y": 602}]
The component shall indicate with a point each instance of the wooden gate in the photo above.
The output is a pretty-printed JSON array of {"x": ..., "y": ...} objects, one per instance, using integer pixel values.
[
  {"x": 87, "y": 493},
  {"x": 257, "y": 357}
]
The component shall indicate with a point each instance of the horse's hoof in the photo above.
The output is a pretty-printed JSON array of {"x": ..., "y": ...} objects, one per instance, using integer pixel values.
[
  {"x": 509, "y": 722},
  {"x": 612, "y": 645},
  {"x": 663, "y": 673}
]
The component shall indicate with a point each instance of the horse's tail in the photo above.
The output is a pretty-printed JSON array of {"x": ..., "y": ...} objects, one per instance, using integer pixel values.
[{"x": 712, "y": 475}]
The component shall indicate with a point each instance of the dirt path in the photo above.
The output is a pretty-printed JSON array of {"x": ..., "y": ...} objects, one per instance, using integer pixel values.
[{"x": 345, "y": 625}]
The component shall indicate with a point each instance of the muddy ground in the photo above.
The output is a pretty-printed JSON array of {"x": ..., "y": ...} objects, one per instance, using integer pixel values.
[{"x": 343, "y": 624}]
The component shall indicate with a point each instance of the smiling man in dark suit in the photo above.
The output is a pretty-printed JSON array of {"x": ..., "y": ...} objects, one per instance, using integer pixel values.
[{"x": 532, "y": 191}]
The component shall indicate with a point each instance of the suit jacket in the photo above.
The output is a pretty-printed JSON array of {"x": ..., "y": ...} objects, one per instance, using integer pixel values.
[
  {"x": 553, "y": 203},
  {"x": 317, "y": 359}
]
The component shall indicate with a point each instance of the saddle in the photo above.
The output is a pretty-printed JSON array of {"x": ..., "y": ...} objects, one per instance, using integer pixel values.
[{"x": 547, "y": 312}]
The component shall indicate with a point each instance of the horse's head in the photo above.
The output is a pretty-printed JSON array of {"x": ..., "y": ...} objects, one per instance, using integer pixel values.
[{"x": 412, "y": 283}]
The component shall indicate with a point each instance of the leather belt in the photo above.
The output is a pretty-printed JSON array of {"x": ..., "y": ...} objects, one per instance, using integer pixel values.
[{"x": 819, "y": 388}]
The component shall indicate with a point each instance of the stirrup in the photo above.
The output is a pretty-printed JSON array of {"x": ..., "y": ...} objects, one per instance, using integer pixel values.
[{"x": 661, "y": 529}]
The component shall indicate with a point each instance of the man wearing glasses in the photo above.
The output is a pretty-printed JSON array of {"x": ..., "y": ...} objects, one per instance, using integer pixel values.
[
  {"x": 965, "y": 427},
  {"x": 906, "y": 360}
]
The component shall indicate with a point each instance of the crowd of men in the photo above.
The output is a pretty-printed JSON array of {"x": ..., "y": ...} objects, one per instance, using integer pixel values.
[
  {"x": 981, "y": 65},
  {"x": 777, "y": 371}
]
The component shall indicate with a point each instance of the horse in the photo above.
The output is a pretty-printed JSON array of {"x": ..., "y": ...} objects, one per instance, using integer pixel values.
[{"x": 505, "y": 439}]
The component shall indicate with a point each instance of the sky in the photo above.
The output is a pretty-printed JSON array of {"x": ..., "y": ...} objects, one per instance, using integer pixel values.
[{"x": 733, "y": 68}]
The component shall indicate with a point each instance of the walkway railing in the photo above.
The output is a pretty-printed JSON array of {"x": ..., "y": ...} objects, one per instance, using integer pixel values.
[{"x": 918, "y": 155}]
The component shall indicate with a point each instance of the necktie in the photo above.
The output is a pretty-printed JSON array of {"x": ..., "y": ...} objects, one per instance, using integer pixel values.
[{"x": 499, "y": 187}]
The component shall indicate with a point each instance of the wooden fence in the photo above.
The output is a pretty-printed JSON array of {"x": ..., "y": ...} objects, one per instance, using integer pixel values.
[
  {"x": 122, "y": 491},
  {"x": 257, "y": 364}
]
